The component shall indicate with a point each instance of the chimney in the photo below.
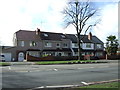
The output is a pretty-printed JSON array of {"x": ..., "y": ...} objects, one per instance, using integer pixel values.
[
  {"x": 38, "y": 31},
  {"x": 90, "y": 36}
]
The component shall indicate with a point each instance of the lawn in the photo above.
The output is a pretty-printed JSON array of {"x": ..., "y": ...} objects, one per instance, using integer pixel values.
[
  {"x": 4, "y": 64},
  {"x": 105, "y": 85}
]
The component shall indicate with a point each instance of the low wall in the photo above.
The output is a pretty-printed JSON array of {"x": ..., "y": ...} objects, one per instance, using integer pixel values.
[
  {"x": 63, "y": 58},
  {"x": 113, "y": 57},
  {"x": 51, "y": 58}
]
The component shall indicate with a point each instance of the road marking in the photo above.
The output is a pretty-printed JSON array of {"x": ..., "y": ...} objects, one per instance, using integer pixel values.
[
  {"x": 55, "y": 69},
  {"x": 9, "y": 67},
  {"x": 81, "y": 68},
  {"x": 103, "y": 66},
  {"x": 91, "y": 67},
  {"x": 84, "y": 83},
  {"x": 65, "y": 86},
  {"x": 86, "y": 68},
  {"x": 57, "y": 86}
]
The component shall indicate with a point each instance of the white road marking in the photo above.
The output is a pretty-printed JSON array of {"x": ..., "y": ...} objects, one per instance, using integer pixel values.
[
  {"x": 9, "y": 67},
  {"x": 41, "y": 87},
  {"x": 57, "y": 86},
  {"x": 55, "y": 69},
  {"x": 103, "y": 66},
  {"x": 84, "y": 83},
  {"x": 80, "y": 68},
  {"x": 86, "y": 68}
]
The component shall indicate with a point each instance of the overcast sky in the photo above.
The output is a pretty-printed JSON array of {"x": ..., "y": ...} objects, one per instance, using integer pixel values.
[{"x": 46, "y": 15}]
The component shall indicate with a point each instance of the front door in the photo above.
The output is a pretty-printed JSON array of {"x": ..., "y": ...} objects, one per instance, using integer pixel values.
[{"x": 20, "y": 56}]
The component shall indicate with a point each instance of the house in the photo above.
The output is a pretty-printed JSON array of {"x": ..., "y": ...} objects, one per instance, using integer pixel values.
[
  {"x": 38, "y": 43},
  {"x": 90, "y": 45}
]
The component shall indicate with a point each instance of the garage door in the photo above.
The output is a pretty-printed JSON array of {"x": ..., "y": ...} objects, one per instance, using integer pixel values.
[{"x": 7, "y": 56}]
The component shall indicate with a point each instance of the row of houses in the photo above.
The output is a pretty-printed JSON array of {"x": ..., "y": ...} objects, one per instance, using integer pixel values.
[{"x": 38, "y": 43}]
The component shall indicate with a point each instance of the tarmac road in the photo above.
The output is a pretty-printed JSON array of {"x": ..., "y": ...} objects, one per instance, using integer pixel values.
[{"x": 37, "y": 76}]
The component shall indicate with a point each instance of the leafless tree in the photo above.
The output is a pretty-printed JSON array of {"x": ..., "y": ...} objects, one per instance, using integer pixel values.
[{"x": 78, "y": 14}]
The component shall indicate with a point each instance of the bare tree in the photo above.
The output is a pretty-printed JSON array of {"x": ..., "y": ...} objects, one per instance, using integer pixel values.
[{"x": 78, "y": 14}]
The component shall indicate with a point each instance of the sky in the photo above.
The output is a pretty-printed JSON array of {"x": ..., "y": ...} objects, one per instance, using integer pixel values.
[{"x": 46, "y": 14}]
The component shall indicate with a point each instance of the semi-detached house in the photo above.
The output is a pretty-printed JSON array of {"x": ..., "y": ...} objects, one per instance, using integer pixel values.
[{"x": 38, "y": 43}]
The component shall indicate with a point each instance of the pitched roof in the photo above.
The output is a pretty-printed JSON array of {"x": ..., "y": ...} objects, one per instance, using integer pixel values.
[
  {"x": 31, "y": 35},
  {"x": 84, "y": 38},
  {"x": 26, "y": 35},
  {"x": 96, "y": 40},
  {"x": 52, "y": 36},
  {"x": 71, "y": 37}
]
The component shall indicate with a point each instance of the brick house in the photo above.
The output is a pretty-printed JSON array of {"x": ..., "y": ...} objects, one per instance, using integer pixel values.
[
  {"x": 90, "y": 45},
  {"x": 38, "y": 43}
]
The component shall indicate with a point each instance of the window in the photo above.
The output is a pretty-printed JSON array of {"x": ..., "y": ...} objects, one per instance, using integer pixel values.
[
  {"x": 74, "y": 45},
  {"x": 21, "y": 43},
  {"x": 99, "y": 45},
  {"x": 62, "y": 36},
  {"x": 88, "y": 45},
  {"x": 32, "y": 43},
  {"x": 48, "y": 44},
  {"x": 65, "y": 45},
  {"x": 99, "y": 53},
  {"x": 46, "y": 35},
  {"x": 58, "y": 45}
]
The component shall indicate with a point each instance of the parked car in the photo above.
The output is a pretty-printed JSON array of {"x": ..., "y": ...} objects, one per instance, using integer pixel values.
[{"x": 2, "y": 58}]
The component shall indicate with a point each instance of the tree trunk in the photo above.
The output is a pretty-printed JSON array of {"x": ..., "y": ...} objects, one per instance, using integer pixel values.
[{"x": 79, "y": 47}]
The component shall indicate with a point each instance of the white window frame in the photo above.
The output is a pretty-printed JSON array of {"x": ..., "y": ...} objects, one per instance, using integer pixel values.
[
  {"x": 74, "y": 45},
  {"x": 99, "y": 46},
  {"x": 32, "y": 43},
  {"x": 88, "y": 44},
  {"x": 46, "y": 35}
]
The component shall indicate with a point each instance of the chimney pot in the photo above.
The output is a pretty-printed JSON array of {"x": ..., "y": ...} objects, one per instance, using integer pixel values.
[
  {"x": 38, "y": 31},
  {"x": 90, "y": 36}
]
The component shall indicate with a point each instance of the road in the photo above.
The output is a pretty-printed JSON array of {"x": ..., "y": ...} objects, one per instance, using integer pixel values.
[{"x": 36, "y": 76}]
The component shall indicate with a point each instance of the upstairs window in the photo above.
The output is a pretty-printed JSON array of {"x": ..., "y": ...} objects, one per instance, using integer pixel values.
[
  {"x": 65, "y": 45},
  {"x": 21, "y": 43},
  {"x": 32, "y": 43},
  {"x": 46, "y": 35},
  {"x": 74, "y": 45},
  {"x": 88, "y": 45},
  {"x": 99, "y": 46},
  {"x": 62, "y": 36},
  {"x": 48, "y": 44},
  {"x": 58, "y": 45}
]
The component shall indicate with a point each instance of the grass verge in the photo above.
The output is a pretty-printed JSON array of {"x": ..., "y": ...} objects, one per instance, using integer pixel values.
[
  {"x": 104, "y": 85},
  {"x": 4, "y": 64},
  {"x": 65, "y": 62}
]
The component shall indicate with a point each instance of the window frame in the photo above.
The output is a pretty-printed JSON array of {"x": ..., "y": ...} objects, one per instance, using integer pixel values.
[
  {"x": 88, "y": 45},
  {"x": 33, "y": 43}
]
